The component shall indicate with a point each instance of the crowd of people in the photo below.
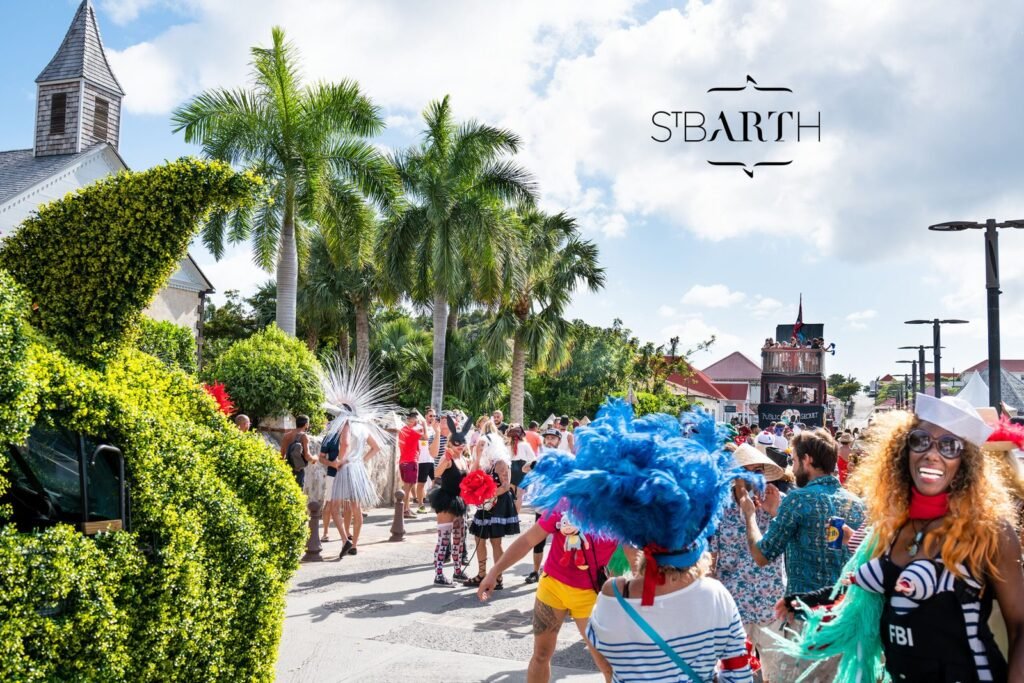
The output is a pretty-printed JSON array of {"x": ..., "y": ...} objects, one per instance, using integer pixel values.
[{"x": 685, "y": 550}]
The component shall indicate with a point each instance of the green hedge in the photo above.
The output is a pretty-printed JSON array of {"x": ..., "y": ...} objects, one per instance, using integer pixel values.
[
  {"x": 173, "y": 344},
  {"x": 94, "y": 260},
  {"x": 195, "y": 592},
  {"x": 271, "y": 374}
]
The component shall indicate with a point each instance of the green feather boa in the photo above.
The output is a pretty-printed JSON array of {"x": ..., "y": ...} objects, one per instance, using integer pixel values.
[{"x": 849, "y": 630}]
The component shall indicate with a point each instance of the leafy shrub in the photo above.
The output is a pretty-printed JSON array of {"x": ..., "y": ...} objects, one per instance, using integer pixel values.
[
  {"x": 93, "y": 260},
  {"x": 173, "y": 344},
  {"x": 195, "y": 591},
  {"x": 271, "y": 374}
]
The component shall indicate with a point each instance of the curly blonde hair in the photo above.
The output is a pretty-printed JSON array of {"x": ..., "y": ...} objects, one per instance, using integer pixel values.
[{"x": 979, "y": 505}]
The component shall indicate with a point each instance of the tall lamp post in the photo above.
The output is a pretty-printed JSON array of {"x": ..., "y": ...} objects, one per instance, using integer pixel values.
[
  {"x": 921, "y": 362},
  {"x": 991, "y": 227},
  {"x": 936, "y": 323},
  {"x": 913, "y": 374}
]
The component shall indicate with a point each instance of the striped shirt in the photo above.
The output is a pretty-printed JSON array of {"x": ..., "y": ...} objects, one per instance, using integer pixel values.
[
  {"x": 700, "y": 622},
  {"x": 442, "y": 444}
]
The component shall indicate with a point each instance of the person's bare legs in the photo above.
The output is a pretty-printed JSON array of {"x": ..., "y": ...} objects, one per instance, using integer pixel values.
[
  {"x": 407, "y": 490},
  {"x": 497, "y": 551},
  {"x": 325, "y": 515},
  {"x": 421, "y": 489},
  {"x": 537, "y": 558},
  {"x": 346, "y": 516},
  {"x": 357, "y": 521},
  {"x": 599, "y": 659},
  {"x": 481, "y": 556},
  {"x": 547, "y": 621}
]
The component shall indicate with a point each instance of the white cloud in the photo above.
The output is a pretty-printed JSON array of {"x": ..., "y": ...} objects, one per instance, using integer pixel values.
[
  {"x": 235, "y": 271},
  {"x": 666, "y": 311},
  {"x": 857, "y": 318},
  {"x": 712, "y": 296},
  {"x": 615, "y": 226},
  {"x": 694, "y": 331},
  {"x": 763, "y": 307}
]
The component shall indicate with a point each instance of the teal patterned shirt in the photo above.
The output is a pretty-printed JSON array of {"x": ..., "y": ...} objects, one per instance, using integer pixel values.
[{"x": 799, "y": 531}]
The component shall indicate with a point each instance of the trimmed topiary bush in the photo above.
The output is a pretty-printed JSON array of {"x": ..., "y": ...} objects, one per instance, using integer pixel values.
[
  {"x": 173, "y": 344},
  {"x": 194, "y": 591},
  {"x": 93, "y": 260},
  {"x": 271, "y": 374}
]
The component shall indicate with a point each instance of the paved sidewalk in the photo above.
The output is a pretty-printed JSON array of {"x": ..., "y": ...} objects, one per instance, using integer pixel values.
[{"x": 376, "y": 617}]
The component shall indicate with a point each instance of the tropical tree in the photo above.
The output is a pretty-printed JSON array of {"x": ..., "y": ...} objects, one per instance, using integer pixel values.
[
  {"x": 309, "y": 144},
  {"x": 554, "y": 261},
  {"x": 454, "y": 231}
]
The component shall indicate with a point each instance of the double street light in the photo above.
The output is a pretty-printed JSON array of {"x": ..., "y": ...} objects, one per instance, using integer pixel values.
[
  {"x": 921, "y": 362},
  {"x": 937, "y": 345},
  {"x": 913, "y": 375},
  {"x": 991, "y": 227}
]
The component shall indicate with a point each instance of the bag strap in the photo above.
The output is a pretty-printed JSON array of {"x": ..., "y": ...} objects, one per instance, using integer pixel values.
[{"x": 654, "y": 636}]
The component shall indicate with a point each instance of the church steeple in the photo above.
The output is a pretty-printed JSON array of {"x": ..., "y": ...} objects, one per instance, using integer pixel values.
[{"x": 78, "y": 102}]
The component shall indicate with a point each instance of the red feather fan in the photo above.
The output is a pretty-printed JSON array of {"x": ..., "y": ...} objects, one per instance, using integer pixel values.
[
  {"x": 477, "y": 487},
  {"x": 220, "y": 395},
  {"x": 1006, "y": 436}
]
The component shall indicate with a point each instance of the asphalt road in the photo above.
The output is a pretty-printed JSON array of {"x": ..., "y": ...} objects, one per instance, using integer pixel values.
[{"x": 376, "y": 617}]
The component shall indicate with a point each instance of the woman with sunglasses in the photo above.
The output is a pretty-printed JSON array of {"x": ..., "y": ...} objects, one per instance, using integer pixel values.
[{"x": 941, "y": 549}]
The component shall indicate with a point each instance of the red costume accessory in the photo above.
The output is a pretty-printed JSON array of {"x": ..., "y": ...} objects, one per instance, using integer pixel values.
[
  {"x": 652, "y": 577},
  {"x": 1007, "y": 434},
  {"x": 477, "y": 487},
  {"x": 927, "y": 507}
]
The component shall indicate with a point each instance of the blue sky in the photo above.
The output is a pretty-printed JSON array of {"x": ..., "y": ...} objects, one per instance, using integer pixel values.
[{"x": 918, "y": 102}]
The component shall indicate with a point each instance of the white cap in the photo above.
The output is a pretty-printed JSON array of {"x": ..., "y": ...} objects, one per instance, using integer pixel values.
[{"x": 955, "y": 415}]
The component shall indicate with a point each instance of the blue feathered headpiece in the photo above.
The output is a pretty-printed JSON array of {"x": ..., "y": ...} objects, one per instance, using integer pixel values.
[{"x": 657, "y": 482}]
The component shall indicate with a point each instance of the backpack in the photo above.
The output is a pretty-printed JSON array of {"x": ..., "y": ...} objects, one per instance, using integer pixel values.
[{"x": 294, "y": 455}]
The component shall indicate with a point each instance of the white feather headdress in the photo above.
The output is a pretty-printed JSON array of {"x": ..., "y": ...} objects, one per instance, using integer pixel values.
[{"x": 353, "y": 393}]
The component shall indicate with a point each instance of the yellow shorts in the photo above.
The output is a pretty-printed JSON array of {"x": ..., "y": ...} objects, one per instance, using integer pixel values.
[{"x": 579, "y": 602}]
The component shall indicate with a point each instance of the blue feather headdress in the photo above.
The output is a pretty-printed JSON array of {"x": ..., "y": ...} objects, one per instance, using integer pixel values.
[{"x": 657, "y": 483}]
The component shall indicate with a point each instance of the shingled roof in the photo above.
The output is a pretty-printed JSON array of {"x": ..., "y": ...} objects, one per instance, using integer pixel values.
[
  {"x": 20, "y": 170},
  {"x": 81, "y": 54}
]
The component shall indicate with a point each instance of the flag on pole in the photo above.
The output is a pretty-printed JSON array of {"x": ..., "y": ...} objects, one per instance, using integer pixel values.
[{"x": 799, "y": 324}]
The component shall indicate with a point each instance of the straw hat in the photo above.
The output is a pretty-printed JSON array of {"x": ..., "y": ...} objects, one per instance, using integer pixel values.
[
  {"x": 846, "y": 438},
  {"x": 746, "y": 455}
]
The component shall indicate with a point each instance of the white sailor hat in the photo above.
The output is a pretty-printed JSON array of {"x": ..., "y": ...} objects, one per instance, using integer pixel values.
[{"x": 955, "y": 415}]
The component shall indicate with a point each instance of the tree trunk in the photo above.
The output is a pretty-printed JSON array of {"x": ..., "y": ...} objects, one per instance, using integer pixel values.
[
  {"x": 312, "y": 339},
  {"x": 518, "y": 393},
  {"x": 287, "y": 268},
  {"x": 362, "y": 334},
  {"x": 343, "y": 350},
  {"x": 453, "y": 319},
  {"x": 440, "y": 331}
]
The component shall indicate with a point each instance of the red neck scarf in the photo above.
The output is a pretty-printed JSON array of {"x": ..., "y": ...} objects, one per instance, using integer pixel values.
[
  {"x": 927, "y": 507},
  {"x": 652, "y": 577}
]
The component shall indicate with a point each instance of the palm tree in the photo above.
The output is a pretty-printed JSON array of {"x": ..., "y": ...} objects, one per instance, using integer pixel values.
[
  {"x": 304, "y": 140},
  {"x": 555, "y": 261},
  {"x": 453, "y": 233},
  {"x": 323, "y": 302}
]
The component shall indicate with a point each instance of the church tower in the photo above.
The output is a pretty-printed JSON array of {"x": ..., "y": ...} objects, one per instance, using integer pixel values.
[{"x": 78, "y": 99}]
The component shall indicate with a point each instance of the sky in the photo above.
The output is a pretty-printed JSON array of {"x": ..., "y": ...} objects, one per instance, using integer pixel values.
[{"x": 919, "y": 107}]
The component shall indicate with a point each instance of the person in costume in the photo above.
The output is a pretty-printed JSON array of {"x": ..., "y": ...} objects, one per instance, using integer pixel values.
[
  {"x": 641, "y": 482},
  {"x": 497, "y": 517},
  {"x": 573, "y": 574},
  {"x": 942, "y": 548},
  {"x": 550, "y": 440},
  {"x": 522, "y": 456},
  {"x": 755, "y": 589},
  {"x": 352, "y": 439},
  {"x": 447, "y": 502}
]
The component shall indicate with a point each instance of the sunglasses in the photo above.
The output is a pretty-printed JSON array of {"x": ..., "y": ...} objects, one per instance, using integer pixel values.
[{"x": 949, "y": 447}]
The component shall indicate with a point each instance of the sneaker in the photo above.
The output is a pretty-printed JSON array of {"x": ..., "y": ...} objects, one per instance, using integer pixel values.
[
  {"x": 345, "y": 549},
  {"x": 532, "y": 577},
  {"x": 409, "y": 514},
  {"x": 460, "y": 576},
  {"x": 442, "y": 581},
  {"x": 422, "y": 509}
]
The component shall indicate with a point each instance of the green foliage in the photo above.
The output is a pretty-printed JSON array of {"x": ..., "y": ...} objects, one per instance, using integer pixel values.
[
  {"x": 225, "y": 324},
  {"x": 218, "y": 525},
  {"x": 271, "y": 374},
  {"x": 94, "y": 260},
  {"x": 845, "y": 391},
  {"x": 16, "y": 395},
  {"x": 172, "y": 344}
]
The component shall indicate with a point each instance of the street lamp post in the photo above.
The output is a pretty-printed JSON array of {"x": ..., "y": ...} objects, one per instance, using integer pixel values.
[
  {"x": 936, "y": 345},
  {"x": 991, "y": 227},
  {"x": 913, "y": 373},
  {"x": 921, "y": 362}
]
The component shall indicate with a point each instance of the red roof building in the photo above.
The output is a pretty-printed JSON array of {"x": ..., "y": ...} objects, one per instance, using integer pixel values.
[
  {"x": 1014, "y": 366},
  {"x": 734, "y": 368}
]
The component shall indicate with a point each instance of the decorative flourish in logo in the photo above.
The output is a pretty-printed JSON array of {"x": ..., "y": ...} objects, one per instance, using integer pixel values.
[
  {"x": 744, "y": 87},
  {"x": 737, "y": 126},
  {"x": 750, "y": 171}
]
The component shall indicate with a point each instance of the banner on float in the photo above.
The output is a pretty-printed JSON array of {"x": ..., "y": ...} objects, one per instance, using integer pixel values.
[{"x": 810, "y": 415}]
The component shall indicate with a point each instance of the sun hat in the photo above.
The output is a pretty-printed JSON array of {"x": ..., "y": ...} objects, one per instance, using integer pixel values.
[
  {"x": 746, "y": 455},
  {"x": 955, "y": 415},
  {"x": 764, "y": 440},
  {"x": 845, "y": 438}
]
